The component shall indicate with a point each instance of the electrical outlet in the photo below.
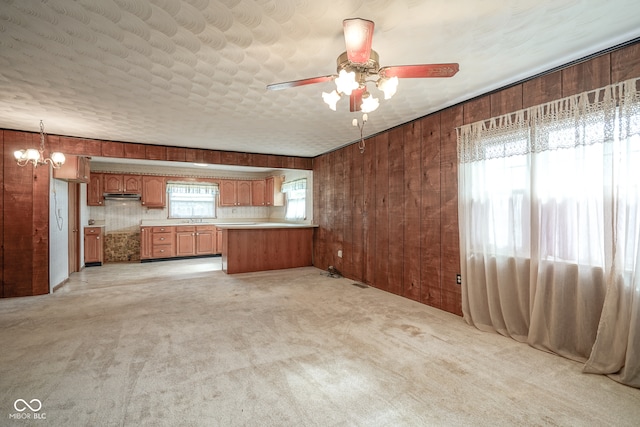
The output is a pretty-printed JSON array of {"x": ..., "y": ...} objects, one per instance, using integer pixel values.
[
  {"x": 340, "y": 253},
  {"x": 458, "y": 279}
]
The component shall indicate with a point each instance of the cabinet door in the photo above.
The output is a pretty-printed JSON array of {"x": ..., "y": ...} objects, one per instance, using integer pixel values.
[
  {"x": 228, "y": 193},
  {"x": 94, "y": 190},
  {"x": 92, "y": 245},
  {"x": 205, "y": 240},
  {"x": 274, "y": 191},
  {"x": 218, "y": 248},
  {"x": 146, "y": 243},
  {"x": 132, "y": 184},
  {"x": 113, "y": 183},
  {"x": 244, "y": 193},
  {"x": 185, "y": 243},
  {"x": 153, "y": 192},
  {"x": 258, "y": 193}
]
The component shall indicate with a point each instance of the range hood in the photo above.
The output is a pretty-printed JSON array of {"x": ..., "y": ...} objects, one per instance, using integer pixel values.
[{"x": 121, "y": 196}]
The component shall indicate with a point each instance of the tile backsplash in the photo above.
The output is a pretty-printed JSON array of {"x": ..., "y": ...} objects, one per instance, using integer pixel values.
[{"x": 125, "y": 216}]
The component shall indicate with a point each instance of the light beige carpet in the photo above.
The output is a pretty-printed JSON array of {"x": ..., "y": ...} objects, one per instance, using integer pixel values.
[{"x": 181, "y": 343}]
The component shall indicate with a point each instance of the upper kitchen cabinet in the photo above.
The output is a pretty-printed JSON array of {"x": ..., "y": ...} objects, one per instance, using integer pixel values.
[
  {"x": 116, "y": 183},
  {"x": 235, "y": 193},
  {"x": 154, "y": 193},
  {"x": 258, "y": 193},
  {"x": 113, "y": 183},
  {"x": 95, "y": 195},
  {"x": 132, "y": 184},
  {"x": 74, "y": 169},
  {"x": 273, "y": 192}
]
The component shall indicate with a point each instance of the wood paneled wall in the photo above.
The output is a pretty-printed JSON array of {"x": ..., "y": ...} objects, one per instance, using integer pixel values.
[
  {"x": 24, "y": 199},
  {"x": 393, "y": 210}
]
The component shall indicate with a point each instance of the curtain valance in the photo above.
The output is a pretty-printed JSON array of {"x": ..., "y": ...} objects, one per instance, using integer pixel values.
[
  {"x": 298, "y": 184},
  {"x": 514, "y": 133},
  {"x": 192, "y": 188}
]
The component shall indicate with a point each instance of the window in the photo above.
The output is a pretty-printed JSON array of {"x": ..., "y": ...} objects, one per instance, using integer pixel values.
[
  {"x": 192, "y": 200},
  {"x": 296, "y": 192}
]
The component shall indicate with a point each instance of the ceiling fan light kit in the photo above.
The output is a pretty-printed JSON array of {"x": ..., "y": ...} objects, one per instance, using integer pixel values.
[{"x": 359, "y": 65}]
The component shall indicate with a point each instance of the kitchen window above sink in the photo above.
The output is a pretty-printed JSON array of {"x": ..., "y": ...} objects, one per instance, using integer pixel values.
[{"x": 192, "y": 200}]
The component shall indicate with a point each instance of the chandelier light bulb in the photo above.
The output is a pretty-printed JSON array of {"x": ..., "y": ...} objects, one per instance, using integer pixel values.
[
  {"x": 369, "y": 103},
  {"x": 331, "y": 99},
  {"x": 346, "y": 82},
  {"x": 58, "y": 158},
  {"x": 388, "y": 86}
]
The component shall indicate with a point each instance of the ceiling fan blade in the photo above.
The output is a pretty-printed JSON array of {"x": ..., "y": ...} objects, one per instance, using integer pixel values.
[
  {"x": 294, "y": 83},
  {"x": 355, "y": 100},
  {"x": 420, "y": 71},
  {"x": 358, "y": 35}
]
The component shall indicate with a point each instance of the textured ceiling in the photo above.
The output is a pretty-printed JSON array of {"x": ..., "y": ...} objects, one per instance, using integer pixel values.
[{"x": 193, "y": 73}]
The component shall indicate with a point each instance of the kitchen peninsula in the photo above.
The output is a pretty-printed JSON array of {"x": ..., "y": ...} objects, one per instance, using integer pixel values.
[{"x": 265, "y": 246}]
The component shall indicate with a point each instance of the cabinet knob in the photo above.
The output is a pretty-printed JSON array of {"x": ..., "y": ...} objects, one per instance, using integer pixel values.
[
  {"x": 162, "y": 238},
  {"x": 143, "y": 203},
  {"x": 98, "y": 238}
]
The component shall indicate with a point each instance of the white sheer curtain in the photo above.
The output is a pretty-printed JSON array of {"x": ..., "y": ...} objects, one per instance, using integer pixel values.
[
  {"x": 550, "y": 228},
  {"x": 296, "y": 192}
]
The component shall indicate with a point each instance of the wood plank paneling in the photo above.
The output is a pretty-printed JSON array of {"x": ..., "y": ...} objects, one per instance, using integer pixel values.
[
  {"x": 69, "y": 145},
  {"x": 412, "y": 201},
  {"x": 396, "y": 209},
  {"x": 228, "y": 158},
  {"x": 356, "y": 205},
  {"x": 275, "y": 162},
  {"x": 176, "y": 154},
  {"x": 369, "y": 253},
  {"x": 450, "y": 245},
  {"x": 430, "y": 275},
  {"x": 155, "y": 152},
  {"x": 92, "y": 147},
  {"x": 506, "y": 101},
  {"x": 40, "y": 231},
  {"x": 212, "y": 157},
  {"x": 542, "y": 89},
  {"x": 337, "y": 211},
  {"x": 476, "y": 110},
  {"x": 112, "y": 149},
  {"x": 349, "y": 215},
  {"x": 625, "y": 63},
  {"x": 586, "y": 76},
  {"x": 18, "y": 218},
  {"x": 135, "y": 151},
  {"x": 381, "y": 278}
]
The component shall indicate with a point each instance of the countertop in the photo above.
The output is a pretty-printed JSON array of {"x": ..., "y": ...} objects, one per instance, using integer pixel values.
[{"x": 235, "y": 225}]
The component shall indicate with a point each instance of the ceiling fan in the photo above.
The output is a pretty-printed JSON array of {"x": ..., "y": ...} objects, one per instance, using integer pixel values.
[{"x": 359, "y": 65}]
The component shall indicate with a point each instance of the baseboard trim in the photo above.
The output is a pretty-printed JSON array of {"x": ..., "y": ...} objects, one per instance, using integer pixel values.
[{"x": 59, "y": 285}]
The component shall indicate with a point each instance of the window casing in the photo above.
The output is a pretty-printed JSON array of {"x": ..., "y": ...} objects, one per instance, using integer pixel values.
[{"x": 192, "y": 200}]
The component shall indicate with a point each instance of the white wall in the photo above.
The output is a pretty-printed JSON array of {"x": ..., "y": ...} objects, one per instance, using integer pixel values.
[{"x": 58, "y": 232}]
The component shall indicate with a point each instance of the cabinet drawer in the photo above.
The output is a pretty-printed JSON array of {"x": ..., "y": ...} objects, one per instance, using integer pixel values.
[
  {"x": 185, "y": 228},
  {"x": 161, "y": 238},
  {"x": 162, "y": 229},
  {"x": 92, "y": 230},
  {"x": 202, "y": 228},
  {"x": 161, "y": 251}
]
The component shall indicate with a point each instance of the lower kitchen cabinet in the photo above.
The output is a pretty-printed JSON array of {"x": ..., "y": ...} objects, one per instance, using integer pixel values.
[
  {"x": 178, "y": 241},
  {"x": 205, "y": 240},
  {"x": 185, "y": 240},
  {"x": 93, "y": 246}
]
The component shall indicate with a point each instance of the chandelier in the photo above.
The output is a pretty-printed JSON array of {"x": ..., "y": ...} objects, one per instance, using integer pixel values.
[
  {"x": 355, "y": 76},
  {"x": 36, "y": 157}
]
